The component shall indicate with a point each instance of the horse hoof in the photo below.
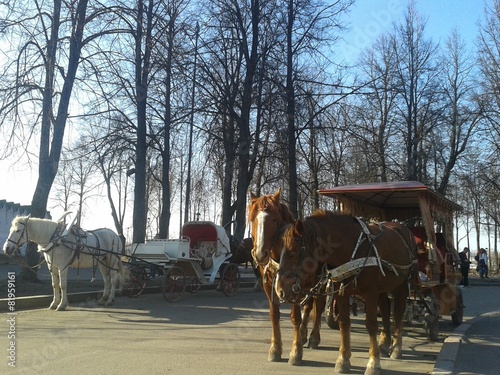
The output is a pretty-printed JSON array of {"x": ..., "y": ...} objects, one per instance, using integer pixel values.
[
  {"x": 314, "y": 342},
  {"x": 100, "y": 302},
  {"x": 60, "y": 308},
  {"x": 295, "y": 360},
  {"x": 274, "y": 355},
  {"x": 373, "y": 371},
  {"x": 384, "y": 350},
  {"x": 343, "y": 366},
  {"x": 52, "y": 306},
  {"x": 396, "y": 353},
  {"x": 373, "y": 367}
]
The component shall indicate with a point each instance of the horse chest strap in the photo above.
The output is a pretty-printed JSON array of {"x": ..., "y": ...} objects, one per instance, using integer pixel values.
[{"x": 352, "y": 268}]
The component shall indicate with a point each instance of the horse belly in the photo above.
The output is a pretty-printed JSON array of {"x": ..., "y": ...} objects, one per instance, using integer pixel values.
[{"x": 85, "y": 261}]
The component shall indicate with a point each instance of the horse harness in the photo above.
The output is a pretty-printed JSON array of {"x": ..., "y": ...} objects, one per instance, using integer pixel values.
[
  {"x": 77, "y": 247},
  {"x": 22, "y": 260},
  {"x": 354, "y": 267}
]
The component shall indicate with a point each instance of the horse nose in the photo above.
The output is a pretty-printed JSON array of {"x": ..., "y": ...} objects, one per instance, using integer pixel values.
[{"x": 261, "y": 257}]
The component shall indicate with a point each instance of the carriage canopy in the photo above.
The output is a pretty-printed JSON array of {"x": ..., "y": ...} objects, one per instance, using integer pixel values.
[
  {"x": 206, "y": 231},
  {"x": 406, "y": 201}
]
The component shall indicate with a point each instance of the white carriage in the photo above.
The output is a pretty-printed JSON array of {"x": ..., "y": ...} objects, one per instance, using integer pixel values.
[{"x": 202, "y": 252}]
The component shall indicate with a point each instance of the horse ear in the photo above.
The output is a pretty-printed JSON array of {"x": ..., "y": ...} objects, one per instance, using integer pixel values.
[
  {"x": 276, "y": 196},
  {"x": 299, "y": 227},
  {"x": 252, "y": 196}
]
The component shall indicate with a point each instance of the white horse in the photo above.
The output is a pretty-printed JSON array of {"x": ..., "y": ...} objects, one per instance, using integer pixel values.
[{"x": 100, "y": 247}]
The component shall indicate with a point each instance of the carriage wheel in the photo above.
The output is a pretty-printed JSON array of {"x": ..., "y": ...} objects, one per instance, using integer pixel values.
[
  {"x": 431, "y": 318},
  {"x": 136, "y": 283},
  {"x": 457, "y": 316},
  {"x": 194, "y": 284},
  {"x": 174, "y": 284},
  {"x": 230, "y": 279}
]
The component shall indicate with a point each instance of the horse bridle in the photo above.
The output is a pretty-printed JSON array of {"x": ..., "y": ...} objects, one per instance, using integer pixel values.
[
  {"x": 296, "y": 288},
  {"x": 18, "y": 244}
]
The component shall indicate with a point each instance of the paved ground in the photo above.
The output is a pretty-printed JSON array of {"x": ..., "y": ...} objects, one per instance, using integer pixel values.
[
  {"x": 474, "y": 346},
  {"x": 202, "y": 333},
  {"x": 210, "y": 333}
]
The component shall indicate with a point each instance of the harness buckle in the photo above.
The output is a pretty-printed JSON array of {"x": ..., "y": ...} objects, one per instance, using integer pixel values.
[{"x": 296, "y": 288}]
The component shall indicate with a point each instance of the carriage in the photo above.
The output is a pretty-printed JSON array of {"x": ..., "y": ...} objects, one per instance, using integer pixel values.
[
  {"x": 429, "y": 216},
  {"x": 201, "y": 253}
]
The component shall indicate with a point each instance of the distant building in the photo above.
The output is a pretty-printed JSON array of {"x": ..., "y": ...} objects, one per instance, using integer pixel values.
[{"x": 8, "y": 211}]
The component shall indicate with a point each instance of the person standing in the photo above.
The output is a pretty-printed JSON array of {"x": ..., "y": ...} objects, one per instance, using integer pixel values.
[
  {"x": 464, "y": 267},
  {"x": 483, "y": 263}
]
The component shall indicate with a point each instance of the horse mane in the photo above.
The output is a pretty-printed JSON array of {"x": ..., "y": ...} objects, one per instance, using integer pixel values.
[
  {"x": 42, "y": 225},
  {"x": 311, "y": 234},
  {"x": 268, "y": 204}
]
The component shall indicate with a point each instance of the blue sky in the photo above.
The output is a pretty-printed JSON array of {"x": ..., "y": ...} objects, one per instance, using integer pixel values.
[{"x": 370, "y": 18}]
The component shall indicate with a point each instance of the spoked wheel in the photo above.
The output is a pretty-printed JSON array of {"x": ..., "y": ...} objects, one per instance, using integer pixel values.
[
  {"x": 431, "y": 318},
  {"x": 194, "y": 284},
  {"x": 136, "y": 283},
  {"x": 174, "y": 284},
  {"x": 457, "y": 316},
  {"x": 230, "y": 279}
]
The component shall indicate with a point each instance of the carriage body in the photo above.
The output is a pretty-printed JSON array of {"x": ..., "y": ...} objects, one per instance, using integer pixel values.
[
  {"x": 195, "y": 259},
  {"x": 429, "y": 216}
]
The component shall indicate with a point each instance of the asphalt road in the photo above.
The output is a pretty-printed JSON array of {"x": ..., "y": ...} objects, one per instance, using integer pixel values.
[{"x": 205, "y": 332}]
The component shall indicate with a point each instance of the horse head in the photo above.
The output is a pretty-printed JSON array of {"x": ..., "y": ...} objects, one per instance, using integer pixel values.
[
  {"x": 18, "y": 235},
  {"x": 267, "y": 216},
  {"x": 298, "y": 267}
]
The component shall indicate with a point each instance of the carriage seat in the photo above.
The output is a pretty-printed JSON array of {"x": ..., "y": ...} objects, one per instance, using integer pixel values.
[
  {"x": 204, "y": 250},
  {"x": 422, "y": 255}
]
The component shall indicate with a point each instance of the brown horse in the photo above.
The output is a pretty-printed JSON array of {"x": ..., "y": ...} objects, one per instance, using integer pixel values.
[
  {"x": 242, "y": 254},
  {"x": 268, "y": 218},
  {"x": 364, "y": 260}
]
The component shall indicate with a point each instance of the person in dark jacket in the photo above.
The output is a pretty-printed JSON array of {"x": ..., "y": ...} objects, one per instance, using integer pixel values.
[{"x": 464, "y": 267}]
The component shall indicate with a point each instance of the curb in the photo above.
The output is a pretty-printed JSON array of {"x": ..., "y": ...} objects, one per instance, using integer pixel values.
[{"x": 447, "y": 357}]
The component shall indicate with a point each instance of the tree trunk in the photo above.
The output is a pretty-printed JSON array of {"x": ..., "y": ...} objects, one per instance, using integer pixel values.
[
  {"x": 50, "y": 148},
  {"x": 290, "y": 113},
  {"x": 139, "y": 220}
]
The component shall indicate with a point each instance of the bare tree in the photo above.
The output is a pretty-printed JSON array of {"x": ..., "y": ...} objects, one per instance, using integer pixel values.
[
  {"x": 460, "y": 115},
  {"x": 43, "y": 79},
  {"x": 416, "y": 71}
]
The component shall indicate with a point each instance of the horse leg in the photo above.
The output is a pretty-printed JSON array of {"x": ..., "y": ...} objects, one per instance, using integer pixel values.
[
  {"x": 306, "y": 313},
  {"x": 113, "y": 276},
  {"x": 63, "y": 282},
  {"x": 276, "y": 348},
  {"x": 319, "y": 307},
  {"x": 55, "y": 287},
  {"x": 384, "y": 341},
  {"x": 343, "y": 362},
  {"x": 373, "y": 367},
  {"x": 258, "y": 279},
  {"x": 105, "y": 271},
  {"x": 400, "y": 300},
  {"x": 297, "y": 346}
]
